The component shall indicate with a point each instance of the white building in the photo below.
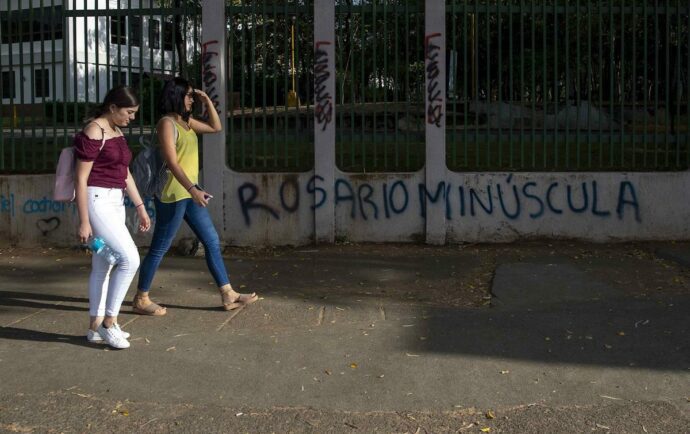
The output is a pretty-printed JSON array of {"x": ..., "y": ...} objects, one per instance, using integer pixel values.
[{"x": 75, "y": 50}]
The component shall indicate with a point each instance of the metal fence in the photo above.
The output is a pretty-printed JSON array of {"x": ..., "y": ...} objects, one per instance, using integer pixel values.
[
  {"x": 532, "y": 85},
  {"x": 59, "y": 58}
]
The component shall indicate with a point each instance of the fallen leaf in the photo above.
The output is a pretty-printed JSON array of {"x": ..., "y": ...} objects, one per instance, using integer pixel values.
[
  {"x": 621, "y": 333},
  {"x": 171, "y": 349},
  {"x": 487, "y": 429},
  {"x": 327, "y": 372},
  {"x": 353, "y": 365},
  {"x": 505, "y": 372},
  {"x": 490, "y": 415}
]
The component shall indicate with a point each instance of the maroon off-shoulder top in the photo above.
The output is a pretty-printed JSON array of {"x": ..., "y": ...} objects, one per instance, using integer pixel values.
[{"x": 109, "y": 164}]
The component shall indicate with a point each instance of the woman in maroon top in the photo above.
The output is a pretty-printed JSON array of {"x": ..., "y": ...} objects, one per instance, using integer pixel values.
[{"x": 102, "y": 178}]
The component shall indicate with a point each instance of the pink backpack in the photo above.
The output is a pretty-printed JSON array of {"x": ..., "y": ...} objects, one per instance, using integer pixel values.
[{"x": 65, "y": 174}]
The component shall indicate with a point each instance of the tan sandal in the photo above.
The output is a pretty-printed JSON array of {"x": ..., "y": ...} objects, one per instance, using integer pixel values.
[
  {"x": 239, "y": 301},
  {"x": 151, "y": 309}
]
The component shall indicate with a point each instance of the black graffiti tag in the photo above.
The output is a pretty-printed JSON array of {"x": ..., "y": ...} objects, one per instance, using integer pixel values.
[
  {"x": 208, "y": 74},
  {"x": 323, "y": 109},
  {"x": 434, "y": 111}
]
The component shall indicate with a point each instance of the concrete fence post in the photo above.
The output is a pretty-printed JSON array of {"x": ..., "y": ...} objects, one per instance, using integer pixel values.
[
  {"x": 324, "y": 118},
  {"x": 213, "y": 77},
  {"x": 435, "y": 190}
]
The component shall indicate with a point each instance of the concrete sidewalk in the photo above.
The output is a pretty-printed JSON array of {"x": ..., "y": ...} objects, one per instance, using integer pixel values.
[{"x": 531, "y": 337}]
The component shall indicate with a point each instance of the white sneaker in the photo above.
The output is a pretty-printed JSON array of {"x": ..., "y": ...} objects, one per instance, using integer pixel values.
[
  {"x": 113, "y": 337},
  {"x": 95, "y": 338}
]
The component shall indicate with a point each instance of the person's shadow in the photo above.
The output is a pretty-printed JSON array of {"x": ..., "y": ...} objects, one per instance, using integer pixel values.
[
  {"x": 41, "y": 301},
  {"x": 39, "y": 336}
]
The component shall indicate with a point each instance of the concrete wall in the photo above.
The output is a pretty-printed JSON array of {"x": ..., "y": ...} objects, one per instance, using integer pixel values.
[{"x": 279, "y": 209}]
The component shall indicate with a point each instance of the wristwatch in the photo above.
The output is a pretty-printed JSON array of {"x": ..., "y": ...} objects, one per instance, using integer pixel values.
[{"x": 197, "y": 186}]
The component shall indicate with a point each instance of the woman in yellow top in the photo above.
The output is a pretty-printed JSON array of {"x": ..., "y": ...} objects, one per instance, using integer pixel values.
[{"x": 182, "y": 198}]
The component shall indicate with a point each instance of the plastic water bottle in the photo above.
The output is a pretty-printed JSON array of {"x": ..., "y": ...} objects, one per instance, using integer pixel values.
[{"x": 99, "y": 247}]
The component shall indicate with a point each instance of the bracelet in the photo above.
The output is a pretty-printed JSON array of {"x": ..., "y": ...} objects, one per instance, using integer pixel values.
[
  {"x": 193, "y": 186},
  {"x": 141, "y": 204}
]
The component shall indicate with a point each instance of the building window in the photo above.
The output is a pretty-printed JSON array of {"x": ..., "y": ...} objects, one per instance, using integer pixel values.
[
  {"x": 135, "y": 32},
  {"x": 41, "y": 83},
  {"x": 118, "y": 78},
  {"x": 168, "y": 36},
  {"x": 154, "y": 34},
  {"x": 31, "y": 25},
  {"x": 7, "y": 89},
  {"x": 118, "y": 30}
]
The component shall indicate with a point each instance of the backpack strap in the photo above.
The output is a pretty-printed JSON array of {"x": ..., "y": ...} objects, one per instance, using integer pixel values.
[
  {"x": 102, "y": 133},
  {"x": 174, "y": 125}
]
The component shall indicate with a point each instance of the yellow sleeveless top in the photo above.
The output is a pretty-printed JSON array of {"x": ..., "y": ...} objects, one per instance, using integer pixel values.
[{"x": 187, "y": 147}]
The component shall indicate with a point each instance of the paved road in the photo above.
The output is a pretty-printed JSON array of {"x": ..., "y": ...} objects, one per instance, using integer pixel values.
[{"x": 531, "y": 337}]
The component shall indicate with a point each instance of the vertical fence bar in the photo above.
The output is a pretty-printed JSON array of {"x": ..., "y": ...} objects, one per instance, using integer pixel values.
[
  {"x": 30, "y": 143},
  {"x": 566, "y": 104},
  {"x": 353, "y": 89},
  {"x": 385, "y": 82},
  {"x": 612, "y": 42},
  {"x": 453, "y": 104},
  {"x": 533, "y": 71},
  {"x": 75, "y": 71},
  {"x": 633, "y": 42},
  {"x": 6, "y": 38},
  {"x": 621, "y": 85},
  {"x": 22, "y": 79},
  {"x": 374, "y": 89},
  {"x": 656, "y": 82},
  {"x": 264, "y": 119},
  {"x": 645, "y": 82},
  {"x": 544, "y": 91},
  {"x": 556, "y": 88},
  {"x": 243, "y": 79},
  {"x": 677, "y": 96},
  {"x": 65, "y": 61},
  {"x": 53, "y": 78},
  {"x": 396, "y": 85},
  {"x": 590, "y": 83},
  {"x": 465, "y": 91},
  {"x": 86, "y": 57},
  {"x": 487, "y": 54},
  {"x": 252, "y": 83},
  {"x": 600, "y": 61},
  {"x": 522, "y": 79},
  {"x": 578, "y": 84},
  {"x": 45, "y": 82},
  {"x": 475, "y": 79},
  {"x": 499, "y": 83},
  {"x": 667, "y": 63},
  {"x": 274, "y": 44}
]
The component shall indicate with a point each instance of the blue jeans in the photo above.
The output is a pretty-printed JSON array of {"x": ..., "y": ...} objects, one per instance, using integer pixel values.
[{"x": 169, "y": 217}]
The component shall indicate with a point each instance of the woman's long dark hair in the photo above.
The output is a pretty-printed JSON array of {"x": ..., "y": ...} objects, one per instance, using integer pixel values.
[
  {"x": 172, "y": 97},
  {"x": 119, "y": 96}
]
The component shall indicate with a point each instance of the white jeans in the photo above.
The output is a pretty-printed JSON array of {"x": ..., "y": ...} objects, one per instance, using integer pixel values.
[{"x": 108, "y": 284}]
